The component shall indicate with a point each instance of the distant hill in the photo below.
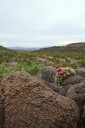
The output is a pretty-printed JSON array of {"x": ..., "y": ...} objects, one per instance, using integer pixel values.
[
  {"x": 2, "y": 48},
  {"x": 76, "y": 47},
  {"x": 80, "y": 47},
  {"x": 23, "y": 48},
  {"x": 7, "y": 54},
  {"x": 77, "y": 44}
]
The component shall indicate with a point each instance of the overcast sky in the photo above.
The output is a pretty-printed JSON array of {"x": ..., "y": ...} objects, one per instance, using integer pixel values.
[{"x": 39, "y": 23}]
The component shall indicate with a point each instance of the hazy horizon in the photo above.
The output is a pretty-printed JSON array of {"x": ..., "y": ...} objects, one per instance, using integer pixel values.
[
  {"x": 41, "y": 23},
  {"x": 39, "y": 46}
]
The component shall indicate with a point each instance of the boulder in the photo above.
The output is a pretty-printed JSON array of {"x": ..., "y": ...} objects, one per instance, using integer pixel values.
[
  {"x": 77, "y": 93},
  {"x": 67, "y": 87},
  {"x": 81, "y": 71},
  {"x": 48, "y": 73},
  {"x": 83, "y": 117},
  {"x": 58, "y": 89},
  {"x": 1, "y": 113},
  {"x": 31, "y": 104},
  {"x": 72, "y": 80}
]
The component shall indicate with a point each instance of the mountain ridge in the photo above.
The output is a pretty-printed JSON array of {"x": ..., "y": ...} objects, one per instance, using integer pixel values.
[
  {"x": 78, "y": 47},
  {"x": 23, "y": 48}
]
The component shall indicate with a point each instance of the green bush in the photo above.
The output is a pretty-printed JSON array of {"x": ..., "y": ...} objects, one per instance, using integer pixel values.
[{"x": 34, "y": 69}]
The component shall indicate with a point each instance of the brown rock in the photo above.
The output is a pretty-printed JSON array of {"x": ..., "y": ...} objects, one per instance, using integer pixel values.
[
  {"x": 58, "y": 89},
  {"x": 72, "y": 80},
  {"x": 67, "y": 87},
  {"x": 81, "y": 71},
  {"x": 31, "y": 104},
  {"x": 83, "y": 117},
  {"x": 84, "y": 112},
  {"x": 77, "y": 93},
  {"x": 1, "y": 113},
  {"x": 48, "y": 73}
]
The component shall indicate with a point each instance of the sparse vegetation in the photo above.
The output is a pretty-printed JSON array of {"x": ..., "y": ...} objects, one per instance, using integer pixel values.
[
  {"x": 67, "y": 56},
  {"x": 34, "y": 69}
]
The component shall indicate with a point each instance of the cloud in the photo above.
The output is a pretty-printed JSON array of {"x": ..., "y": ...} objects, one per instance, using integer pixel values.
[
  {"x": 41, "y": 22},
  {"x": 38, "y": 40}
]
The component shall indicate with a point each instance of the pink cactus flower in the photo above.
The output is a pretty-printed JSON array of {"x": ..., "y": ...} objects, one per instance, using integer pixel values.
[
  {"x": 59, "y": 69},
  {"x": 61, "y": 73}
]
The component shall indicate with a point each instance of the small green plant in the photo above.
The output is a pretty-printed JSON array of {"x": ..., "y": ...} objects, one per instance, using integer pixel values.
[
  {"x": 5, "y": 70},
  {"x": 34, "y": 69}
]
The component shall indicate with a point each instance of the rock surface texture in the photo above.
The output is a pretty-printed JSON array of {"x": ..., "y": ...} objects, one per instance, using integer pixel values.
[
  {"x": 81, "y": 71},
  {"x": 28, "y": 103},
  {"x": 77, "y": 93},
  {"x": 1, "y": 113},
  {"x": 58, "y": 89},
  {"x": 72, "y": 80},
  {"x": 48, "y": 73}
]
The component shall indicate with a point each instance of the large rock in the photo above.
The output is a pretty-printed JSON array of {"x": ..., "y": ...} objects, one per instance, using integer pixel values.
[
  {"x": 77, "y": 93},
  {"x": 72, "y": 80},
  {"x": 1, "y": 113},
  {"x": 83, "y": 117},
  {"x": 58, "y": 89},
  {"x": 81, "y": 71},
  {"x": 48, "y": 73},
  {"x": 31, "y": 104}
]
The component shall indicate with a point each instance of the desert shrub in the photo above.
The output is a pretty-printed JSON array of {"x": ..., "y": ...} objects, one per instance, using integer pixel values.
[
  {"x": 1, "y": 70},
  {"x": 63, "y": 73},
  {"x": 34, "y": 69},
  {"x": 5, "y": 70}
]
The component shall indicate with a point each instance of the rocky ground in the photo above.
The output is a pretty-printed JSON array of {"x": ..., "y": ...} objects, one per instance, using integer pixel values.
[{"x": 30, "y": 102}]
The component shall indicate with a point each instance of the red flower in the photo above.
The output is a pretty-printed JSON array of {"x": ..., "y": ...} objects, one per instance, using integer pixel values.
[
  {"x": 59, "y": 69},
  {"x": 61, "y": 73}
]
